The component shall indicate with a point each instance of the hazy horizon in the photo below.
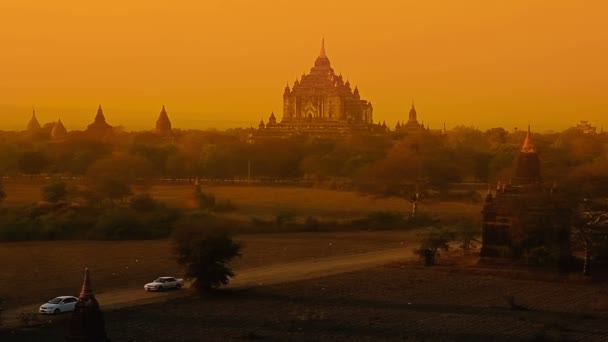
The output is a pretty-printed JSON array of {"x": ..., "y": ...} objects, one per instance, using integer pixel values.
[{"x": 225, "y": 63}]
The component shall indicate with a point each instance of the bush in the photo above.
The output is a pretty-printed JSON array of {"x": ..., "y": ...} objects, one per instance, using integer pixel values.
[
  {"x": 143, "y": 203},
  {"x": 55, "y": 192},
  {"x": 205, "y": 201},
  {"x": 285, "y": 217},
  {"x": 434, "y": 240},
  {"x": 224, "y": 206},
  {"x": 312, "y": 224},
  {"x": 118, "y": 224}
]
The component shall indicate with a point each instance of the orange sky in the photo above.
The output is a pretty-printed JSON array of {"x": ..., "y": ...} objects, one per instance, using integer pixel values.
[{"x": 224, "y": 63}]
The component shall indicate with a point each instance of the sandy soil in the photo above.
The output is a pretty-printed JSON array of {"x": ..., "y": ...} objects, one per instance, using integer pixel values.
[
  {"x": 33, "y": 272},
  {"x": 396, "y": 302},
  {"x": 248, "y": 277}
]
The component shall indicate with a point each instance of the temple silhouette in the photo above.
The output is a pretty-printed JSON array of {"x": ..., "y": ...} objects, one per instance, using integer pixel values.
[
  {"x": 524, "y": 218},
  {"x": 86, "y": 323},
  {"x": 321, "y": 103}
]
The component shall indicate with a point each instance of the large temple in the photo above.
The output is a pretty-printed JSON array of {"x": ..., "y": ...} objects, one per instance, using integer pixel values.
[
  {"x": 321, "y": 102},
  {"x": 525, "y": 220}
]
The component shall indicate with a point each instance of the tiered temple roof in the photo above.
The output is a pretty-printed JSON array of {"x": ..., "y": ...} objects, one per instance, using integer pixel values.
[{"x": 321, "y": 103}]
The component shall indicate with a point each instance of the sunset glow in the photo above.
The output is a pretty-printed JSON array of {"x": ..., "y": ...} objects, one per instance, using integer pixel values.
[{"x": 222, "y": 64}]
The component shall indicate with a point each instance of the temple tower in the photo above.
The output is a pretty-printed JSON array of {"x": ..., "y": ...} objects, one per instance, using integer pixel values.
[
  {"x": 99, "y": 127},
  {"x": 528, "y": 163},
  {"x": 525, "y": 217},
  {"x": 412, "y": 124},
  {"x": 163, "y": 124},
  {"x": 59, "y": 131},
  {"x": 87, "y": 323},
  {"x": 33, "y": 125}
]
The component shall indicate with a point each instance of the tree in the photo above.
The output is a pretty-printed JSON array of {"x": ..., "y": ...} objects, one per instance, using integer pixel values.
[
  {"x": 591, "y": 231},
  {"x": 55, "y": 192},
  {"x": 205, "y": 255}
]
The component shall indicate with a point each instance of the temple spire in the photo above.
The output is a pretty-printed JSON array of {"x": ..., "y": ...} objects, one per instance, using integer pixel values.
[
  {"x": 87, "y": 289},
  {"x": 528, "y": 146},
  {"x": 163, "y": 124},
  {"x": 100, "y": 118},
  {"x": 87, "y": 322},
  {"x": 322, "y": 53},
  {"x": 413, "y": 117},
  {"x": 33, "y": 125},
  {"x": 58, "y": 130}
]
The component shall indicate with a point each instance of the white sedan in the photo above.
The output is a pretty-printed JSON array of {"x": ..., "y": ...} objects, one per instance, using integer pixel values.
[
  {"x": 58, "y": 305},
  {"x": 164, "y": 283}
]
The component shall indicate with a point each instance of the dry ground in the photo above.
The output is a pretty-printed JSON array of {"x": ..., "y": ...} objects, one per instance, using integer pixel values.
[
  {"x": 32, "y": 272},
  {"x": 396, "y": 302},
  {"x": 266, "y": 201}
]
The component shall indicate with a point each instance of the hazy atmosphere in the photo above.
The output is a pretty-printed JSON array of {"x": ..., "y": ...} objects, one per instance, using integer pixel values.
[
  {"x": 224, "y": 64},
  {"x": 231, "y": 170}
]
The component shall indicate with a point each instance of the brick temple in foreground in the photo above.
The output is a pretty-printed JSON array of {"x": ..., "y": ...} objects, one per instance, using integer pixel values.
[{"x": 525, "y": 221}]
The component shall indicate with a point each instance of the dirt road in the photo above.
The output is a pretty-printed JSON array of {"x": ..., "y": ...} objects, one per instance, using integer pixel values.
[{"x": 273, "y": 274}]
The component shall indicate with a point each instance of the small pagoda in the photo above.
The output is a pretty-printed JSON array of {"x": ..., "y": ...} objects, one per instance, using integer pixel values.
[
  {"x": 99, "y": 125},
  {"x": 87, "y": 323},
  {"x": 163, "y": 124}
]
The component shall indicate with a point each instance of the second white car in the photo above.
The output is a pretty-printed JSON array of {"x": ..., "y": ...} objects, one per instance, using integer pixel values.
[{"x": 164, "y": 283}]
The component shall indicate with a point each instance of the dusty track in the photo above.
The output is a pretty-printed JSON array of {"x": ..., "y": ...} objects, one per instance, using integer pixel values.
[{"x": 257, "y": 276}]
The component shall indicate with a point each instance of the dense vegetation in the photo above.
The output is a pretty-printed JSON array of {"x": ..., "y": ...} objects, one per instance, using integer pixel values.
[{"x": 388, "y": 164}]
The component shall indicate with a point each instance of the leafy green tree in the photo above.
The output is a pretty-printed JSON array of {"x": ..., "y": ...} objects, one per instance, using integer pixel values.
[{"x": 205, "y": 254}]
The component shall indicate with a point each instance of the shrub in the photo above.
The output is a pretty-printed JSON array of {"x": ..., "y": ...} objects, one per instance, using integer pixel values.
[
  {"x": 224, "y": 206},
  {"x": 55, "y": 192},
  {"x": 143, "y": 203},
  {"x": 118, "y": 224},
  {"x": 432, "y": 243},
  {"x": 285, "y": 217}
]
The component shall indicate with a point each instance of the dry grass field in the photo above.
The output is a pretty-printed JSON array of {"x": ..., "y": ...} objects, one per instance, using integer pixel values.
[
  {"x": 266, "y": 202},
  {"x": 396, "y": 302},
  {"x": 32, "y": 272}
]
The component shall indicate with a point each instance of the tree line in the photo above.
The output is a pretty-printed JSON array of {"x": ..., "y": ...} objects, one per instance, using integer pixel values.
[{"x": 384, "y": 164}]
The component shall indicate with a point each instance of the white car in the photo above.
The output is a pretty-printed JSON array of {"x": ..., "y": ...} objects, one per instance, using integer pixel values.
[
  {"x": 58, "y": 305},
  {"x": 164, "y": 283}
]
